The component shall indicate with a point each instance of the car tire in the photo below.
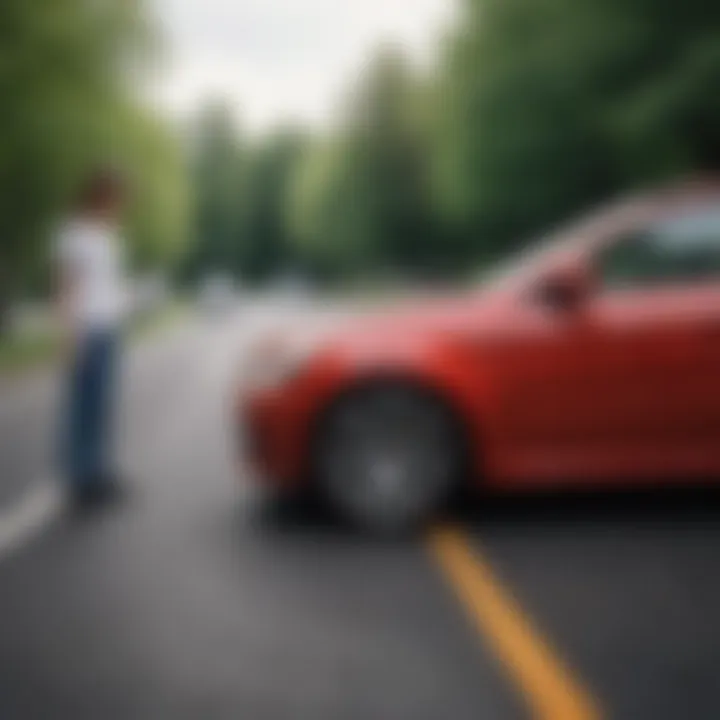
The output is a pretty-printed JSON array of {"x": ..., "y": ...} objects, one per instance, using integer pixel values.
[{"x": 388, "y": 457}]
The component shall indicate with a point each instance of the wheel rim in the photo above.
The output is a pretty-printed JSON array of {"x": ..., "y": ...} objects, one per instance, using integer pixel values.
[{"x": 387, "y": 457}]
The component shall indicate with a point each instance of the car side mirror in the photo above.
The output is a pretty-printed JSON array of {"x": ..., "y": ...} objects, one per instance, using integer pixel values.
[{"x": 563, "y": 291}]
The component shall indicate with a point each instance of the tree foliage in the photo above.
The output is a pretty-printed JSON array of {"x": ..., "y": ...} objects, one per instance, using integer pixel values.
[
  {"x": 240, "y": 197},
  {"x": 68, "y": 75},
  {"x": 550, "y": 105},
  {"x": 218, "y": 176},
  {"x": 268, "y": 247},
  {"x": 535, "y": 110},
  {"x": 361, "y": 199}
]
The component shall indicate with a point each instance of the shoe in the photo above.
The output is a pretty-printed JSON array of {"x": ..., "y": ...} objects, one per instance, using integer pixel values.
[{"x": 98, "y": 492}]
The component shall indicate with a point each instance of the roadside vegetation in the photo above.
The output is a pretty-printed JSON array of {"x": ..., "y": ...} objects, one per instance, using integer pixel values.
[
  {"x": 531, "y": 111},
  {"x": 21, "y": 351}
]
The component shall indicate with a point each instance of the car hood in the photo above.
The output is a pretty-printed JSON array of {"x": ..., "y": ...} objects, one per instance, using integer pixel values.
[
  {"x": 415, "y": 319},
  {"x": 360, "y": 330}
]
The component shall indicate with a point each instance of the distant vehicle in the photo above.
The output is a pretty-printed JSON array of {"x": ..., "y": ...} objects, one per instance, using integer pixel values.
[
  {"x": 217, "y": 293},
  {"x": 593, "y": 361}
]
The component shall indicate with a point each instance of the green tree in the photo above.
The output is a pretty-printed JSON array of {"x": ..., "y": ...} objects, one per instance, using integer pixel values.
[
  {"x": 362, "y": 200},
  {"x": 159, "y": 189},
  {"x": 218, "y": 173},
  {"x": 65, "y": 66},
  {"x": 547, "y": 106},
  {"x": 267, "y": 247},
  {"x": 326, "y": 230},
  {"x": 240, "y": 193}
]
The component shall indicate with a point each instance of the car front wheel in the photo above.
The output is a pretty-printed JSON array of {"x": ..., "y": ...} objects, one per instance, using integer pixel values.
[{"x": 388, "y": 457}]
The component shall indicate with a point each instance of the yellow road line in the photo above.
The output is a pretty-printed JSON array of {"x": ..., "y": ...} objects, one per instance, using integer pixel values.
[{"x": 549, "y": 689}]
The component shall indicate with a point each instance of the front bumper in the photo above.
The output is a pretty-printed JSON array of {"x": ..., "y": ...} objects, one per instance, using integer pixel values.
[
  {"x": 276, "y": 425},
  {"x": 271, "y": 439}
]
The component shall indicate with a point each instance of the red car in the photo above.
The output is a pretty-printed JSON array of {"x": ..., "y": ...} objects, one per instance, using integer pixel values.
[{"x": 593, "y": 360}]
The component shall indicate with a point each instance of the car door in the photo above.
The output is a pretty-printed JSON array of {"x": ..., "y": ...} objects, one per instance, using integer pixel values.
[
  {"x": 626, "y": 386},
  {"x": 659, "y": 306},
  {"x": 559, "y": 378}
]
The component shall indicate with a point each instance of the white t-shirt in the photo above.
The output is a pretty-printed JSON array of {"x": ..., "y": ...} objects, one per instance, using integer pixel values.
[{"x": 90, "y": 252}]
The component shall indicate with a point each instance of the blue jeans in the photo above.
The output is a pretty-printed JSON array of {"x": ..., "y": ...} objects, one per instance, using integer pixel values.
[{"x": 88, "y": 424}]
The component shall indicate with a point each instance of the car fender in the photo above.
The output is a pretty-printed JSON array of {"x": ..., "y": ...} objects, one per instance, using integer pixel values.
[{"x": 446, "y": 370}]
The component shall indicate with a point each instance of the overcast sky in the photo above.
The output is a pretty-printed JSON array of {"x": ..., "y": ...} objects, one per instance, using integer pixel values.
[{"x": 283, "y": 59}]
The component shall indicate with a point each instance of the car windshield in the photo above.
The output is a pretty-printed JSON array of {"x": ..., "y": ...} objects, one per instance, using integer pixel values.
[
  {"x": 511, "y": 266},
  {"x": 519, "y": 265}
]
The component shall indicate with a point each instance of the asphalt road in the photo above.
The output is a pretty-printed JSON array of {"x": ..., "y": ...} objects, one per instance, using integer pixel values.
[{"x": 195, "y": 597}]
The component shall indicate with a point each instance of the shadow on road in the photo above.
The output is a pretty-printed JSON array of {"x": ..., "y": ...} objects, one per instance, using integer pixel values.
[
  {"x": 647, "y": 507},
  {"x": 310, "y": 519},
  {"x": 637, "y": 508}
]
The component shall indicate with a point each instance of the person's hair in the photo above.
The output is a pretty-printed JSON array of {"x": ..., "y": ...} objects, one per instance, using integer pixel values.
[{"x": 101, "y": 189}]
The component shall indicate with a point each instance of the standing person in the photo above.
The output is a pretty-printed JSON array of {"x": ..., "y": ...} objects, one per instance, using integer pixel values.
[{"x": 91, "y": 302}]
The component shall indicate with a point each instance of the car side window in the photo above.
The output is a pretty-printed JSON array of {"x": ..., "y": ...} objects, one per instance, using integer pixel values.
[{"x": 679, "y": 250}]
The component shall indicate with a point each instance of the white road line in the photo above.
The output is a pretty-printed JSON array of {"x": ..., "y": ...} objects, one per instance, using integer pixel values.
[{"x": 22, "y": 522}]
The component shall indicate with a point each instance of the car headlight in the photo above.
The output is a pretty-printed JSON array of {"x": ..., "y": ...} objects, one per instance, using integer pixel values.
[{"x": 278, "y": 360}]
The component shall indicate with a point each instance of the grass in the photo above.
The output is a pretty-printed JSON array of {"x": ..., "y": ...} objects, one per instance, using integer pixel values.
[
  {"x": 27, "y": 351},
  {"x": 19, "y": 353}
]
